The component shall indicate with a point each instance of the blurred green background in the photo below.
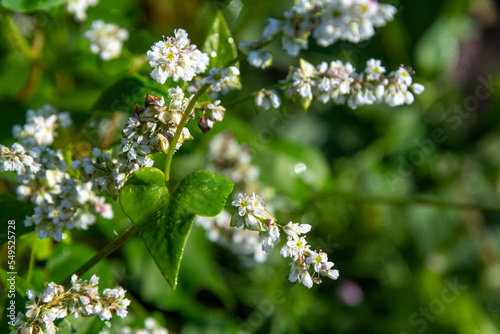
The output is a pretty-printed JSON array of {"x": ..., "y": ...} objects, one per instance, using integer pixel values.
[{"x": 377, "y": 189}]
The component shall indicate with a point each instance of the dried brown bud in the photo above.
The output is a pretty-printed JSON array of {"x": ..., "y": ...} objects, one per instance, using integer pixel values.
[
  {"x": 152, "y": 100},
  {"x": 138, "y": 109},
  {"x": 205, "y": 124}
]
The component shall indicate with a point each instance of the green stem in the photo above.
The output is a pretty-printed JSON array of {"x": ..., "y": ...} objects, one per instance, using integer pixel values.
[
  {"x": 178, "y": 132},
  {"x": 410, "y": 201},
  {"x": 110, "y": 248}
]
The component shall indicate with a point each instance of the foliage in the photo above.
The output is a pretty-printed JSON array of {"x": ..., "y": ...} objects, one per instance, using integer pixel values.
[{"x": 405, "y": 199}]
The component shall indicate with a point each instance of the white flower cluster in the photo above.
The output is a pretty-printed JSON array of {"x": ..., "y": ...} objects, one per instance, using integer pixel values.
[
  {"x": 148, "y": 131},
  {"x": 328, "y": 21},
  {"x": 106, "y": 39},
  {"x": 151, "y": 326},
  {"x": 79, "y": 8},
  {"x": 253, "y": 215},
  {"x": 106, "y": 174},
  {"x": 227, "y": 157},
  {"x": 341, "y": 83},
  {"x": 82, "y": 299},
  {"x": 242, "y": 243},
  {"x": 41, "y": 125},
  {"x": 175, "y": 57},
  {"x": 61, "y": 200},
  {"x": 232, "y": 160},
  {"x": 267, "y": 99}
]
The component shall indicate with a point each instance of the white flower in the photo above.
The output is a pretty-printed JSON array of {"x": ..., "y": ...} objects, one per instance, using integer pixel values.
[
  {"x": 217, "y": 77},
  {"x": 79, "y": 8},
  {"x": 374, "y": 69},
  {"x": 300, "y": 272},
  {"x": 317, "y": 260},
  {"x": 106, "y": 39},
  {"x": 402, "y": 76},
  {"x": 260, "y": 58},
  {"x": 266, "y": 99},
  {"x": 294, "y": 229},
  {"x": 417, "y": 88},
  {"x": 294, "y": 248},
  {"x": 271, "y": 30},
  {"x": 250, "y": 212},
  {"x": 270, "y": 236},
  {"x": 176, "y": 58}
]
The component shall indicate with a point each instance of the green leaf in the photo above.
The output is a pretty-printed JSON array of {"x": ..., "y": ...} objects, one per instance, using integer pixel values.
[
  {"x": 13, "y": 209},
  {"x": 31, "y": 5},
  {"x": 220, "y": 43},
  {"x": 164, "y": 221},
  {"x": 128, "y": 90}
]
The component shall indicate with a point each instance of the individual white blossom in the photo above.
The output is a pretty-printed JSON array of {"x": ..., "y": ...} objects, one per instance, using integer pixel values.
[
  {"x": 82, "y": 299},
  {"x": 175, "y": 57},
  {"x": 267, "y": 99},
  {"x": 328, "y": 21},
  {"x": 79, "y": 8},
  {"x": 218, "y": 77},
  {"x": 341, "y": 83},
  {"x": 106, "y": 39},
  {"x": 260, "y": 58},
  {"x": 256, "y": 56}
]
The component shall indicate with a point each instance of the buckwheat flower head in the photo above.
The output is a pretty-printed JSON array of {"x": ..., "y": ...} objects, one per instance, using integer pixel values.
[
  {"x": 149, "y": 130},
  {"x": 341, "y": 83},
  {"x": 62, "y": 202},
  {"x": 251, "y": 213},
  {"x": 18, "y": 159},
  {"x": 328, "y": 21},
  {"x": 175, "y": 57},
  {"x": 82, "y": 299},
  {"x": 106, "y": 39},
  {"x": 41, "y": 125},
  {"x": 252, "y": 216},
  {"x": 79, "y": 8}
]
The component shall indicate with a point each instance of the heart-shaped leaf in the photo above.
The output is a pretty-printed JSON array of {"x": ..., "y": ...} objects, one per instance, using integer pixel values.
[{"x": 164, "y": 221}]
